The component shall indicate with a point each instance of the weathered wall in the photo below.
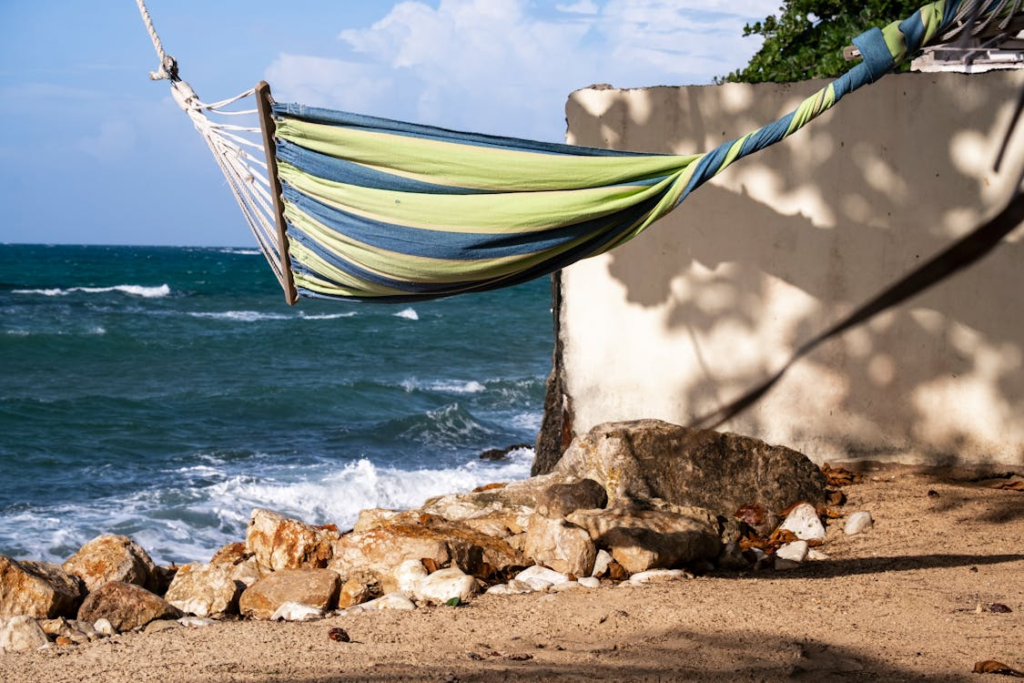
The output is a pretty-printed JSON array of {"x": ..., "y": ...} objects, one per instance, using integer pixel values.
[{"x": 716, "y": 296}]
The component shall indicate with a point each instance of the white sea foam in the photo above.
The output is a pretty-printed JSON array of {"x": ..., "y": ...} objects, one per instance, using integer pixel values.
[
  {"x": 327, "y": 316},
  {"x": 241, "y": 316},
  {"x": 241, "y": 252},
  {"x": 444, "y": 386},
  {"x": 132, "y": 290},
  {"x": 408, "y": 314}
]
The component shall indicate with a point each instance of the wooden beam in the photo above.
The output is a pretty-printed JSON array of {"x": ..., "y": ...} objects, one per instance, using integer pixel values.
[{"x": 264, "y": 102}]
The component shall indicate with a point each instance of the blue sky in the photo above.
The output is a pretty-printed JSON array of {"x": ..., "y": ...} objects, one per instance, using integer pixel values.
[{"x": 95, "y": 153}]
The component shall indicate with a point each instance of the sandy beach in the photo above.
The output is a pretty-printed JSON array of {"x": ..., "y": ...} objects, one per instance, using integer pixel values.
[{"x": 908, "y": 600}]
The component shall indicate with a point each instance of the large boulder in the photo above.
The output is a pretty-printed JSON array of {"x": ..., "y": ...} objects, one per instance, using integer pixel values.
[
  {"x": 22, "y": 634},
  {"x": 418, "y": 536},
  {"x": 314, "y": 587},
  {"x": 501, "y": 511},
  {"x": 126, "y": 606},
  {"x": 113, "y": 558},
  {"x": 558, "y": 500},
  {"x": 562, "y": 546},
  {"x": 699, "y": 467},
  {"x": 279, "y": 542},
  {"x": 206, "y": 590},
  {"x": 653, "y": 535},
  {"x": 40, "y": 590}
]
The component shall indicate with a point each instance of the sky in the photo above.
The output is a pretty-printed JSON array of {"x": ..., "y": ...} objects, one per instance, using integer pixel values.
[{"x": 96, "y": 153}]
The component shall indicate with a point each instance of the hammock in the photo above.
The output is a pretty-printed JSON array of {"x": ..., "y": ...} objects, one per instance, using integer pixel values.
[{"x": 363, "y": 208}]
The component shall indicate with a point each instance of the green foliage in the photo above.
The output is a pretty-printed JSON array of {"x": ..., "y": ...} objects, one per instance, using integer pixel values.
[{"x": 807, "y": 39}]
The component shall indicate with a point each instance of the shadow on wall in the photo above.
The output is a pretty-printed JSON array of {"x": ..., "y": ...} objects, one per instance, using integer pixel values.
[{"x": 788, "y": 241}]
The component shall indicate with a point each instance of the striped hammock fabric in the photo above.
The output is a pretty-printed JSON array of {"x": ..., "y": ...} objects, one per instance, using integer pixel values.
[{"x": 388, "y": 211}]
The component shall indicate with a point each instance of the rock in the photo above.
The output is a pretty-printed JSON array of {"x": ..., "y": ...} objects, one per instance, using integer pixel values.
[
  {"x": 296, "y": 611},
  {"x": 731, "y": 558},
  {"x": 40, "y": 590},
  {"x": 662, "y": 538},
  {"x": 794, "y": 552},
  {"x": 601, "y": 562},
  {"x": 206, "y": 590},
  {"x": 248, "y": 572},
  {"x": 857, "y": 523},
  {"x": 502, "y": 453},
  {"x": 232, "y": 553},
  {"x": 125, "y": 606},
  {"x": 816, "y": 555},
  {"x": 113, "y": 558},
  {"x": 358, "y": 589},
  {"x": 803, "y": 521},
  {"x": 392, "y": 601},
  {"x": 162, "y": 578},
  {"x": 542, "y": 573},
  {"x": 445, "y": 584},
  {"x": 22, "y": 634},
  {"x": 419, "y": 536},
  {"x": 161, "y": 625},
  {"x": 589, "y": 582},
  {"x": 279, "y": 542},
  {"x": 718, "y": 471},
  {"x": 538, "y": 585},
  {"x": 509, "y": 507},
  {"x": 563, "y": 587},
  {"x": 196, "y": 622},
  {"x": 656, "y": 576},
  {"x": 407, "y": 576},
  {"x": 372, "y": 518},
  {"x": 513, "y": 587},
  {"x": 564, "y": 547},
  {"x": 559, "y": 500},
  {"x": 314, "y": 587},
  {"x": 104, "y": 627}
]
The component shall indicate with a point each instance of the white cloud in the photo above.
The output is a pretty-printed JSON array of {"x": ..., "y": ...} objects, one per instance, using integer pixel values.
[{"x": 499, "y": 66}]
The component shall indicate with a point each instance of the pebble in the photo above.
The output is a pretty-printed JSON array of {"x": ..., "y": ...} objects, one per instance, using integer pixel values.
[
  {"x": 104, "y": 627},
  {"x": 395, "y": 601},
  {"x": 815, "y": 554},
  {"x": 803, "y": 521},
  {"x": 794, "y": 552},
  {"x": 601, "y": 563},
  {"x": 589, "y": 582},
  {"x": 858, "y": 522},
  {"x": 296, "y": 611},
  {"x": 539, "y": 585},
  {"x": 542, "y": 573},
  {"x": 652, "y": 575},
  {"x": 568, "y": 585},
  {"x": 196, "y": 622}
]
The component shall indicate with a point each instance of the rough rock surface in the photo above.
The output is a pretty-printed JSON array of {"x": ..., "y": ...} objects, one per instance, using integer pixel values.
[
  {"x": 206, "y": 590},
  {"x": 21, "y": 634},
  {"x": 507, "y": 508},
  {"x": 359, "y": 588},
  {"x": 559, "y": 500},
  {"x": 719, "y": 471},
  {"x": 314, "y": 587},
  {"x": 126, "y": 606},
  {"x": 37, "y": 589},
  {"x": 232, "y": 553},
  {"x": 803, "y": 521},
  {"x": 418, "y": 536},
  {"x": 113, "y": 558},
  {"x": 279, "y": 542},
  {"x": 445, "y": 584},
  {"x": 663, "y": 536},
  {"x": 562, "y": 546}
]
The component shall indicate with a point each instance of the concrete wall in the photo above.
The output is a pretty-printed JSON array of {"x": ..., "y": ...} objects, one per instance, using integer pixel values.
[{"x": 714, "y": 298}]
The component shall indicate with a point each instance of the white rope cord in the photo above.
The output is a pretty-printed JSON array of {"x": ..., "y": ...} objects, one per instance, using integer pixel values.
[{"x": 246, "y": 174}]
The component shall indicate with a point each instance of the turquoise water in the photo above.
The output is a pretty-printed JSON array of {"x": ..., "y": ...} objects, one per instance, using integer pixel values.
[{"x": 163, "y": 393}]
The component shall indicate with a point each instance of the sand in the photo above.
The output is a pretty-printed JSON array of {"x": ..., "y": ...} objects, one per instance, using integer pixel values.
[{"x": 908, "y": 600}]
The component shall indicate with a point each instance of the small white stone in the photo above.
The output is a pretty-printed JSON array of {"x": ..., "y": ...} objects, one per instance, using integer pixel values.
[
  {"x": 196, "y": 622},
  {"x": 296, "y": 611},
  {"x": 408, "y": 575},
  {"x": 542, "y": 573},
  {"x": 445, "y": 584},
  {"x": 395, "y": 601},
  {"x": 858, "y": 522},
  {"x": 517, "y": 587},
  {"x": 604, "y": 559},
  {"x": 535, "y": 584},
  {"x": 590, "y": 582},
  {"x": 652, "y": 575},
  {"x": 568, "y": 585},
  {"x": 815, "y": 554},
  {"x": 104, "y": 627},
  {"x": 794, "y": 552},
  {"x": 803, "y": 521}
]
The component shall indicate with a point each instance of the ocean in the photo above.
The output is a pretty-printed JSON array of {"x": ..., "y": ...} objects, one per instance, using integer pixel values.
[{"x": 163, "y": 393}]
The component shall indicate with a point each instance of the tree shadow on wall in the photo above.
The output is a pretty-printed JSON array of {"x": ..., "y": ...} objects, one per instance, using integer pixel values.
[{"x": 889, "y": 192}]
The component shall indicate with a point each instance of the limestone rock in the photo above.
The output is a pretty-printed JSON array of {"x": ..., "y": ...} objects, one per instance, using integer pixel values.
[
  {"x": 513, "y": 587},
  {"x": 422, "y": 537},
  {"x": 279, "y": 542},
  {"x": 794, "y": 552},
  {"x": 640, "y": 538},
  {"x": 718, "y": 471},
  {"x": 196, "y": 622},
  {"x": 656, "y": 575},
  {"x": 803, "y": 521},
  {"x": 589, "y": 582},
  {"x": 857, "y": 523},
  {"x": 232, "y": 553},
  {"x": 509, "y": 507},
  {"x": 601, "y": 562},
  {"x": 407, "y": 576},
  {"x": 374, "y": 517},
  {"x": 21, "y": 634},
  {"x": 314, "y": 587},
  {"x": 564, "y": 547},
  {"x": 296, "y": 611},
  {"x": 360, "y": 588},
  {"x": 104, "y": 627},
  {"x": 126, "y": 606},
  {"x": 559, "y": 500},
  {"x": 113, "y": 558},
  {"x": 206, "y": 590},
  {"x": 543, "y": 574},
  {"x": 392, "y": 601},
  {"x": 37, "y": 589},
  {"x": 445, "y": 584}
]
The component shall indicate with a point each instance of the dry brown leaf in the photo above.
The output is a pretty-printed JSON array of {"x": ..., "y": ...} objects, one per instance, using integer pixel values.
[
  {"x": 839, "y": 476},
  {"x": 836, "y": 498},
  {"x": 991, "y": 666},
  {"x": 751, "y": 514},
  {"x": 999, "y": 608},
  {"x": 430, "y": 564},
  {"x": 781, "y": 537},
  {"x": 489, "y": 487}
]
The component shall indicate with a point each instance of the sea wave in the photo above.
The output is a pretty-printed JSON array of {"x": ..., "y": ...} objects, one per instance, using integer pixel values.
[
  {"x": 240, "y": 316},
  {"x": 408, "y": 314},
  {"x": 444, "y": 386},
  {"x": 327, "y": 316},
  {"x": 241, "y": 252},
  {"x": 132, "y": 290}
]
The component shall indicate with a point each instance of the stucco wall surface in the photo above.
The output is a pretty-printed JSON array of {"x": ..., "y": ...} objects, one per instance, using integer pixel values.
[{"x": 716, "y": 297}]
